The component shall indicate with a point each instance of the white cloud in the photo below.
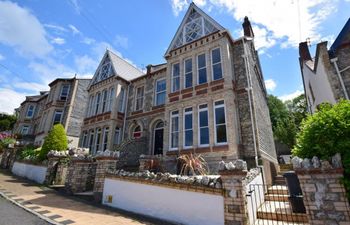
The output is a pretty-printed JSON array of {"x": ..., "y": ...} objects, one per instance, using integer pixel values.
[
  {"x": 74, "y": 29},
  {"x": 31, "y": 86},
  {"x": 279, "y": 23},
  {"x": 10, "y": 100},
  {"x": 121, "y": 41},
  {"x": 2, "y": 57},
  {"x": 58, "y": 41},
  {"x": 56, "y": 28},
  {"x": 291, "y": 95},
  {"x": 270, "y": 84},
  {"x": 22, "y": 30},
  {"x": 88, "y": 41},
  {"x": 85, "y": 64},
  {"x": 180, "y": 5}
]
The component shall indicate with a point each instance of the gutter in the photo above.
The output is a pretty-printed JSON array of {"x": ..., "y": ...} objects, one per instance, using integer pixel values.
[{"x": 125, "y": 111}]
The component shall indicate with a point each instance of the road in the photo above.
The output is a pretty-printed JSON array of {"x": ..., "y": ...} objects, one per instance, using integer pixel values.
[{"x": 11, "y": 214}]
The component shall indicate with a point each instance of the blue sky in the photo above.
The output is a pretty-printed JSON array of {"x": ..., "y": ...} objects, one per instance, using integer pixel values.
[{"x": 43, "y": 40}]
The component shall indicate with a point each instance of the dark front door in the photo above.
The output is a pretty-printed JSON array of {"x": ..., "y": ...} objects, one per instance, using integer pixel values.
[{"x": 158, "y": 141}]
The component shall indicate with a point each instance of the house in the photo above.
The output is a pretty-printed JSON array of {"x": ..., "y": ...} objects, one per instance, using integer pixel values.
[
  {"x": 326, "y": 77},
  {"x": 209, "y": 98}
]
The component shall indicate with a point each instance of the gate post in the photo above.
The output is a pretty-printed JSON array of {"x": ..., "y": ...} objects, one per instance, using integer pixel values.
[
  {"x": 52, "y": 161},
  {"x": 104, "y": 163},
  {"x": 235, "y": 205}
]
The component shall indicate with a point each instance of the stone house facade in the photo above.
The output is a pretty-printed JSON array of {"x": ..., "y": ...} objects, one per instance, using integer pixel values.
[
  {"x": 208, "y": 98},
  {"x": 65, "y": 104},
  {"x": 326, "y": 77}
]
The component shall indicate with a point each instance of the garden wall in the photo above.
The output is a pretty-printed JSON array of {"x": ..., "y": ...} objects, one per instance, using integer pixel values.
[{"x": 32, "y": 172}]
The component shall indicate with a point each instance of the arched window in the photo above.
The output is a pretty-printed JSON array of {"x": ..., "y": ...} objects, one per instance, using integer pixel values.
[
  {"x": 160, "y": 124},
  {"x": 137, "y": 132}
]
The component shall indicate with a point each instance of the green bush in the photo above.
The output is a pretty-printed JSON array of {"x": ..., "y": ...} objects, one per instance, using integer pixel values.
[
  {"x": 30, "y": 153},
  {"x": 326, "y": 133},
  {"x": 55, "y": 140}
]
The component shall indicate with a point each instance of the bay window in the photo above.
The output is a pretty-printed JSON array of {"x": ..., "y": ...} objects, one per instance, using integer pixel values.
[
  {"x": 105, "y": 138},
  {"x": 111, "y": 97},
  {"x": 98, "y": 140},
  {"x": 203, "y": 125},
  {"x": 160, "y": 92},
  {"x": 64, "y": 92},
  {"x": 175, "y": 86},
  {"x": 139, "y": 98},
  {"x": 174, "y": 130},
  {"x": 104, "y": 100},
  {"x": 97, "y": 103},
  {"x": 216, "y": 64},
  {"x": 202, "y": 69},
  {"x": 188, "y": 128},
  {"x": 188, "y": 73},
  {"x": 30, "y": 111},
  {"x": 57, "y": 117},
  {"x": 121, "y": 106}
]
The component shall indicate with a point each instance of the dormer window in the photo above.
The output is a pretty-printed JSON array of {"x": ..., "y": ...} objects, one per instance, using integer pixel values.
[
  {"x": 64, "y": 92},
  {"x": 30, "y": 111}
]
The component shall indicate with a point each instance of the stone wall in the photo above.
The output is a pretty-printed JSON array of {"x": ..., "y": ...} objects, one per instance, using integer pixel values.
[
  {"x": 323, "y": 191},
  {"x": 56, "y": 170},
  {"x": 8, "y": 158},
  {"x": 103, "y": 164},
  {"x": 130, "y": 153},
  {"x": 80, "y": 176}
]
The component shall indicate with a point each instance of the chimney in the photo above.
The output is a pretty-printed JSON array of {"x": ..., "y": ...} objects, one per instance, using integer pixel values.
[
  {"x": 149, "y": 67},
  {"x": 247, "y": 28},
  {"x": 304, "y": 53}
]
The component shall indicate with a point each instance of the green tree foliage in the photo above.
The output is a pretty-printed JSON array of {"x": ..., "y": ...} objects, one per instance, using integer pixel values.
[
  {"x": 326, "y": 133},
  {"x": 55, "y": 140},
  {"x": 7, "y": 122},
  {"x": 286, "y": 118}
]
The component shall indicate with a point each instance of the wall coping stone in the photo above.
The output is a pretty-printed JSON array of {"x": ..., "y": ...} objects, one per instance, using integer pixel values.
[
  {"x": 106, "y": 158},
  {"x": 319, "y": 171}
]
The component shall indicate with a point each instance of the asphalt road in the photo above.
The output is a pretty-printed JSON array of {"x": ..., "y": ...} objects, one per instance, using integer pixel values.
[{"x": 11, "y": 214}]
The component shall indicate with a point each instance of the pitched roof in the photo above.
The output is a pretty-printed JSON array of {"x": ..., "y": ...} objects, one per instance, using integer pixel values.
[
  {"x": 123, "y": 68},
  {"x": 208, "y": 21},
  {"x": 343, "y": 36}
]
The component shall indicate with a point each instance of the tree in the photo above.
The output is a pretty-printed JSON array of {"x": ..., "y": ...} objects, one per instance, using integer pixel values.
[
  {"x": 55, "y": 140},
  {"x": 326, "y": 133},
  {"x": 7, "y": 122}
]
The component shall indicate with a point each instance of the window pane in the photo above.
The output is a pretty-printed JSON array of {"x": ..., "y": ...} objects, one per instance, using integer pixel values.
[
  {"x": 202, "y": 76},
  {"x": 188, "y": 65},
  {"x": 220, "y": 115},
  {"x": 188, "y": 121},
  {"x": 174, "y": 140},
  {"x": 204, "y": 135},
  {"x": 161, "y": 85},
  {"x": 217, "y": 71},
  {"x": 203, "y": 118},
  {"x": 221, "y": 134},
  {"x": 176, "y": 83},
  {"x": 201, "y": 61},
  {"x": 216, "y": 55},
  {"x": 188, "y": 82},
  {"x": 188, "y": 138},
  {"x": 176, "y": 70},
  {"x": 160, "y": 98},
  {"x": 175, "y": 124}
]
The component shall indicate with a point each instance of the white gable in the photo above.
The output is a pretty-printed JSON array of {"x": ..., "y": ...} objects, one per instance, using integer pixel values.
[
  {"x": 113, "y": 65},
  {"x": 194, "y": 25}
]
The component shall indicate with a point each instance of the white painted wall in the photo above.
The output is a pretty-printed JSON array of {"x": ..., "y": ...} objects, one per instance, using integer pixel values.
[
  {"x": 31, "y": 172},
  {"x": 169, "y": 204},
  {"x": 256, "y": 191}
]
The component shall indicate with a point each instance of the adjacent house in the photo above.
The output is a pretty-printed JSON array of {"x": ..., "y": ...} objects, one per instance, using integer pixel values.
[
  {"x": 326, "y": 77},
  {"x": 208, "y": 98}
]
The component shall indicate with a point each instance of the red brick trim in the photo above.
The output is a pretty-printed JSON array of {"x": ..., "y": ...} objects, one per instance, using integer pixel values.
[
  {"x": 136, "y": 112},
  {"x": 187, "y": 90},
  {"x": 218, "y": 148},
  {"x": 146, "y": 113},
  {"x": 186, "y": 151},
  {"x": 200, "y": 92},
  {"x": 174, "y": 94},
  {"x": 216, "y": 88},
  {"x": 174, "y": 99},
  {"x": 189, "y": 95},
  {"x": 215, "y": 82},
  {"x": 201, "y": 86},
  {"x": 203, "y": 149}
]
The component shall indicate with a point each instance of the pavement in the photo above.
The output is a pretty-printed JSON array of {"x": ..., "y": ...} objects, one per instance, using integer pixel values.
[{"x": 58, "y": 208}]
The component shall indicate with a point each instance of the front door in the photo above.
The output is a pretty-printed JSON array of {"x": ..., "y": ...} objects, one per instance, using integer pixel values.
[{"x": 158, "y": 141}]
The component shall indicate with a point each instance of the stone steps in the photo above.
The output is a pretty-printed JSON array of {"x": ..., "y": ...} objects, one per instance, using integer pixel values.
[
  {"x": 276, "y": 197},
  {"x": 279, "y": 180},
  {"x": 278, "y": 190}
]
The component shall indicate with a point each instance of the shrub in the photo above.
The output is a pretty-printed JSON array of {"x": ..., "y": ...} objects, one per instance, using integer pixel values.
[
  {"x": 193, "y": 165},
  {"x": 326, "y": 133},
  {"x": 30, "y": 153},
  {"x": 55, "y": 140}
]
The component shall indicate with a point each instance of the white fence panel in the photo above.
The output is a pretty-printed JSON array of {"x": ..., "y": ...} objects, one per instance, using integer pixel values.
[{"x": 29, "y": 171}]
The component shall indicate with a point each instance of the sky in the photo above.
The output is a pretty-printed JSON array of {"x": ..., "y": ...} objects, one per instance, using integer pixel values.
[{"x": 43, "y": 40}]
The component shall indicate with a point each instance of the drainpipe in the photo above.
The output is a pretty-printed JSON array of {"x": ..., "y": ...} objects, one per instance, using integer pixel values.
[
  {"x": 249, "y": 89},
  {"x": 334, "y": 61},
  {"x": 125, "y": 111}
]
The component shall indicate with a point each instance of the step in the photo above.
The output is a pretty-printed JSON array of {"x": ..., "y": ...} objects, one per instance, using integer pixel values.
[
  {"x": 276, "y": 197},
  {"x": 278, "y": 190},
  {"x": 280, "y": 211},
  {"x": 274, "y": 222}
]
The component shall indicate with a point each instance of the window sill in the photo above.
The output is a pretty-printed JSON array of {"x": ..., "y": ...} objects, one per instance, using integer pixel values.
[
  {"x": 218, "y": 81},
  {"x": 176, "y": 93},
  {"x": 201, "y": 86}
]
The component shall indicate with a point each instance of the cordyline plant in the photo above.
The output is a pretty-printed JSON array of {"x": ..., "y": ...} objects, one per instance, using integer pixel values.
[{"x": 193, "y": 165}]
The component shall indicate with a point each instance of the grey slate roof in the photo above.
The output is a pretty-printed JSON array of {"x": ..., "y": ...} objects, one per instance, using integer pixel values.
[{"x": 123, "y": 68}]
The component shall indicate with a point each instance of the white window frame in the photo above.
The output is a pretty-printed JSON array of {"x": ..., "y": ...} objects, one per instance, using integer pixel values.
[
  {"x": 85, "y": 139},
  {"x": 171, "y": 128},
  {"x": 185, "y": 73},
  {"x": 116, "y": 140},
  {"x": 32, "y": 111},
  {"x": 141, "y": 98},
  {"x": 199, "y": 126},
  {"x": 97, "y": 103},
  {"x": 173, "y": 77},
  {"x": 91, "y": 142},
  {"x": 184, "y": 127},
  {"x": 98, "y": 136},
  {"x": 105, "y": 138},
  {"x": 121, "y": 105},
  {"x": 215, "y": 125},
  {"x": 212, "y": 64},
  {"x": 159, "y": 92},
  {"x": 205, "y": 67},
  {"x": 68, "y": 89},
  {"x": 54, "y": 115},
  {"x": 111, "y": 98},
  {"x": 104, "y": 100},
  {"x": 26, "y": 128}
]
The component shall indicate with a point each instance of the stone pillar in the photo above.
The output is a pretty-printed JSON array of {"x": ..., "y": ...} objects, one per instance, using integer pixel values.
[
  {"x": 50, "y": 172},
  {"x": 80, "y": 175},
  {"x": 234, "y": 197},
  {"x": 104, "y": 163},
  {"x": 324, "y": 196}
]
